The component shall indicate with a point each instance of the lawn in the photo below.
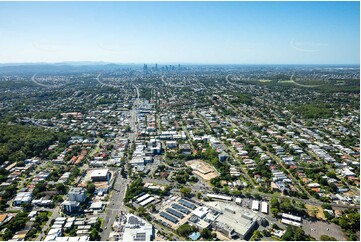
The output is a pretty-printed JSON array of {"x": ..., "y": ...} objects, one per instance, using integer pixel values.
[{"x": 315, "y": 210}]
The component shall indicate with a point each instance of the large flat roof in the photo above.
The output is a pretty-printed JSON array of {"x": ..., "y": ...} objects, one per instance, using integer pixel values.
[
  {"x": 228, "y": 198},
  {"x": 102, "y": 172},
  {"x": 241, "y": 220}
]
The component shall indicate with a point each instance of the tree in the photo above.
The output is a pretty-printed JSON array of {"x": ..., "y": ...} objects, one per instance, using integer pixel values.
[
  {"x": 323, "y": 182},
  {"x": 18, "y": 222},
  {"x": 185, "y": 191},
  {"x": 42, "y": 217},
  {"x": 295, "y": 234},
  {"x": 257, "y": 196},
  {"x": 286, "y": 205},
  {"x": 288, "y": 236},
  {"x": 185, "y": 230},
  {"x": 141, "y": 211},
  {"x": 7, "y": 235},
  {"x": 333, "y": 187},
  {"x": 274, "y": 211},
  {"x": 60, "y": 188},
  {"x": 266, "y": 233},
  {"x": 152, "y": 208},
  {"x": 299, "y": 234},
  {"x": 274, "y": 202},
  {"x": 39, "y": 187},
  {"x": 326, "y": 206},
  {"x": 134, "y": 189},
  {"x": 94, "y": 235},
  {"x": 26, "y": 206},
  {"x": 256, "y": 235},
  {"x": 207, "y": 234},
  {"x": 72, "y": 232},
  {"x": 90, "y": 188}
]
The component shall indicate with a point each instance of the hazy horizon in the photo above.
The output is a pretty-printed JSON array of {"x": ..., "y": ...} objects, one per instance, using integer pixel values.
[{"x": 171, "y": 63}]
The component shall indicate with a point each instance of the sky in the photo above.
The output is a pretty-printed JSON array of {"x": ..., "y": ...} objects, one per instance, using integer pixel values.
[{"x": 181, "y": 32}]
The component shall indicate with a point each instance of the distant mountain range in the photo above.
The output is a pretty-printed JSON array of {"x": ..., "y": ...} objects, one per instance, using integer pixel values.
[
  {"x": 29, "y": 68},
  {"x": 86, "y": 66}
]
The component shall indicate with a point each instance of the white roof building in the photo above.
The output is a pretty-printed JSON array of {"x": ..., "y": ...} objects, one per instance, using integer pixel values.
[
  {"x": 200, "y": 212},
  {"x": 215, "y": 196},
  {"x": 255, "y": 205},
  {"x": 141, "y": 198},
  {"x": 99, "y": 173},
  {"x": 147, "y": 201},
  {"x": 137, "y": 229},
  {"x": 264, "y": 207},
  {"x": 23, "y": 197}
]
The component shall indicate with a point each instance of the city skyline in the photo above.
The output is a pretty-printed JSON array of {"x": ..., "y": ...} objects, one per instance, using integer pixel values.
[{"x": 181, "y": 32}]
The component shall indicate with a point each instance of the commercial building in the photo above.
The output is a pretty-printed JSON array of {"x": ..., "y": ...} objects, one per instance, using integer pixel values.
[
  {"x": 97, "y": 206},
  {"x": 137, "y": 229},
  {"x": 232, "y": 220},
  {"x": 200, "y": 212},
  {"x": 77, "y": 194},
  {"x": 100, "y": 175},
  {"x": 71, "y": 206}
]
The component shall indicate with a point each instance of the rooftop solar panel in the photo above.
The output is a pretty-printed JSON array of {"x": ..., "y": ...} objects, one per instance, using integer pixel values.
[
  {"x": 175, "y": 213},
  {"x": 139, "y": 237},
  {"x": 180, "y": 208},
  {"x": 169, "y": 217},
  {"x": 133, "y": 220},
  {"x": 187, "y": 204}
]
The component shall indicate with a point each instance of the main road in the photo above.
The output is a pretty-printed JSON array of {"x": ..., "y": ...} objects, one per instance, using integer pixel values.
[{"x": 116, "y": 205}]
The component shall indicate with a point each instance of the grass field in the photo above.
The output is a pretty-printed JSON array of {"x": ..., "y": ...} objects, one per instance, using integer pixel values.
[{"x": 315, "y": 210}]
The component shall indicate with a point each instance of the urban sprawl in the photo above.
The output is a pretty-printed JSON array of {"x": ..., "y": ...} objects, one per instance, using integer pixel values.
[{"x": 179, "y": 152}]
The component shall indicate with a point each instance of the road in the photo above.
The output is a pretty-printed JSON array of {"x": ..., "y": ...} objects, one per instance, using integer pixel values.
[
  {"x": 268, "y": 196},
  {"x": 133, "y": 117},
  {"x": 44, "y": 85},
  {"x": 115, "y": 206},
  {"x": 301, "y": 85}
]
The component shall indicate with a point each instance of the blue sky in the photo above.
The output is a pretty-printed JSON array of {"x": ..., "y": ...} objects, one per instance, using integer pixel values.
[{"x": 181, "y": 32}]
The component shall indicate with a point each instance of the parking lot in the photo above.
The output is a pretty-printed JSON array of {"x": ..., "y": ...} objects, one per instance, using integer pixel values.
[{"x": 318, "y": 228}]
